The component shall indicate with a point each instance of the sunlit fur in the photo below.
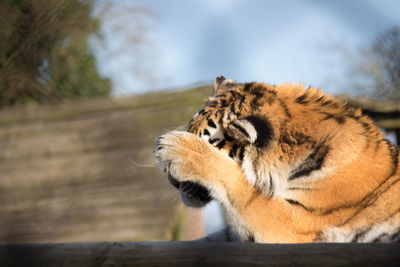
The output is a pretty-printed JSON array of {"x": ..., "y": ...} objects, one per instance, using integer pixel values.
[{"x": 289, "y": 165}]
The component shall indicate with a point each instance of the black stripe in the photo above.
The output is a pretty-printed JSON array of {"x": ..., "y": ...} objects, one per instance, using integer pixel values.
[
  {"x": 227, "y": 137},
  {"x": 221, "y": 144},
  {"x": 232, "y": 152},
  {"x": 241, "y": 129},
  {"x": 232, "y": 108},
  {"x": 213, "y": 140},
  {"x": 258, "y": 90},
  {"x": 241, "y": 153},
  {"x": 319, "y": 99},
  {"x": 367, "y": 129},
  {"x": 224, "y": 104},
  {"x": 206, "y": 132},
  {"x": 395, "y": 236},
  {"x": 247, "y": 86},
  {"x": 331, "y": 103},
  {"x": 360, "y": 234},
  {"x": 296, "y": 203},
  {"x": 271, "y": 185},
  {"x": 301, "y": 99},
  {"x": 264, "y": 131},
  {"x": 338, "y": 118},
  {"x": 211, "y": 123},
  {"x": 326, "y": 103},
  {"x": 368, "y": 200},
  {"x": 378, "y": 239},
  {"x": 301, "y": 188},
  {"x": 312, "y": 163}
]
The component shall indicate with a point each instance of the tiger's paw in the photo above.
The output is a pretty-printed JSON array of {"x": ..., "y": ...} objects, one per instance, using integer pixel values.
[
  {"x": 171, "y": 153},
  {"x": 181, "y": 155}
]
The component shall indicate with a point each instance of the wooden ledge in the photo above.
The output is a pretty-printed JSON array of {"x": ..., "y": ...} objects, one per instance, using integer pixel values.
[{"x": 199, "y": 254}]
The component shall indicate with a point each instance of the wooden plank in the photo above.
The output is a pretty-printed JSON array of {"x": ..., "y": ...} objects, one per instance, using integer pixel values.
[{"x": 199, "y": 254}]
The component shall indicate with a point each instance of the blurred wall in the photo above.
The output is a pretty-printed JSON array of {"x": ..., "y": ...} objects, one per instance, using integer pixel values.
[{"x": 85, "y": 171}]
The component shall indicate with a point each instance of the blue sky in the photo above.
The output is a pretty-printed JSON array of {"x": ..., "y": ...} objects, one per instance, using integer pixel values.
[{"x": 191, "y": 42}]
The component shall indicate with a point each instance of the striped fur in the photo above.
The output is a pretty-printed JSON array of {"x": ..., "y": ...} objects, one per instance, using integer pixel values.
[{"x": 288, "y": 164}]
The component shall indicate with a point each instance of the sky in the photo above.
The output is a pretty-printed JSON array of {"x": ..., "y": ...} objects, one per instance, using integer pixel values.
[{"x": 156, "y": 45}]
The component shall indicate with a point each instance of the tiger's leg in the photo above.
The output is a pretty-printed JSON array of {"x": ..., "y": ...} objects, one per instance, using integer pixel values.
[{"x": 189, "y": 158}]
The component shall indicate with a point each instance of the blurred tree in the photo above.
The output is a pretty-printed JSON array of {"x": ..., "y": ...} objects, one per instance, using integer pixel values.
[
  {"x": 375, "y": 70},
  {"x": 44, "y": 53},
  {"x": 131, "y": 40}
]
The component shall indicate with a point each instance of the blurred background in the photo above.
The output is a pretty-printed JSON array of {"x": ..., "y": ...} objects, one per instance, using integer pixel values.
[{"x": 87, "y": 85}]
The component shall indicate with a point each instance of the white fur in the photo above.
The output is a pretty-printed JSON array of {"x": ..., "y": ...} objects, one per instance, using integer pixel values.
[
  {"x": 215, "y": 133},
  {"x": 338, "y": 235},
  {"x": 249, "y": 129},
  {"x": 248, "y": 169},
  {"x": 315, "y": 175},
  {"x": 345, "y": 235},
  {"x": 389, "y": 227},
  {"x": 279, "y": 179},
  {"x": 228, "y": 81}
]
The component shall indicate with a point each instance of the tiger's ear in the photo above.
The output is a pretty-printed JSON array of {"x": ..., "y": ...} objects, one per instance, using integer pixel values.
[
  {"x": 253, "y": 129},
  {"x": 221, "y": 84}
]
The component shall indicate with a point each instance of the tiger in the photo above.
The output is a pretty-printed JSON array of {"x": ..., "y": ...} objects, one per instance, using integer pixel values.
[{"x": 288, "y": 165}]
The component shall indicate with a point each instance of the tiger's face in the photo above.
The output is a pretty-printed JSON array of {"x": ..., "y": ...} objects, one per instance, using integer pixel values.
[{"x": 227, "y": 123}]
